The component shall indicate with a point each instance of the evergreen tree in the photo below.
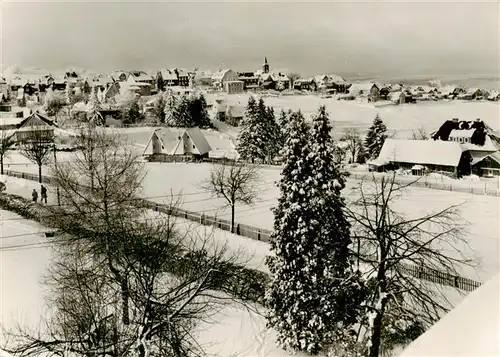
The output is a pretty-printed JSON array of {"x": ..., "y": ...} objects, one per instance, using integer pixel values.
[
  {"x": 95, "y": 117},
  {"x": 133, "y": 115},
  {"x": 251, "y": 138},
  {"x": 375, "y": 138},
  {"x": 199, "y": 112},
  {"x": 159, "y": 108},
  {"x": 313, "y": 295},
  {"x": 361, "y": 154},
  {"x": 260, "y": 134},
  {"x": 189, "y": 111},
  {"x": 273, "y": 135}
]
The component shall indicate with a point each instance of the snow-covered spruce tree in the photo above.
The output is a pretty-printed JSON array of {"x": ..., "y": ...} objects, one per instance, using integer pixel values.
[
  {"x": 313, "y": 295},
  {"x": 252, "y": 138},
  {"x": 273, "y": 135},
  {"x": 375, "y": 137}
]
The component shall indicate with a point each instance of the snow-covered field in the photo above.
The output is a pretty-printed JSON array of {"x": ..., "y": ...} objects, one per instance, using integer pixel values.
[
  {"x": 234, "y": 331},
  {"x": 183, "y": 181},
  {"x": 402, "y": 119}
]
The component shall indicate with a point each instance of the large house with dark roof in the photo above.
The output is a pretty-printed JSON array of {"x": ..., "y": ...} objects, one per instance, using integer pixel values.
[{"x": 458, "y": 147}]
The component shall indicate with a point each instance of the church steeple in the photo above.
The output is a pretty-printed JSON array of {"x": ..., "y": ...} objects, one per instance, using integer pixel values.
[{"x": 265, "y": 66}]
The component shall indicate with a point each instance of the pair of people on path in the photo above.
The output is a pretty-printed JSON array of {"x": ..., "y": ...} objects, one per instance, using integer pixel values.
[{"x": 43, "y": 192}]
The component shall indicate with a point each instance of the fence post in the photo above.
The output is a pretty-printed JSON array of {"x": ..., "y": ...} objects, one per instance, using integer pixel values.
[
  {"x": 456, "y": 281},
  {"x": 238, "y": 229},
  {"x": 258, "y": 234}
]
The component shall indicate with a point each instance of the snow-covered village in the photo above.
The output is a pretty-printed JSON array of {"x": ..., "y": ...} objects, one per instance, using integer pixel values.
[{"x": 249, "y": 179}]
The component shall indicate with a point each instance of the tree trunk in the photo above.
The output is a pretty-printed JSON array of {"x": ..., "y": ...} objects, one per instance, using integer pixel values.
[
  {"x": 125, "y": 300},
  {"x": 376, "y": 332},
  {"x": 1, "y": 165},
  {"x": 232, "y": 218},
  {"x": 39, "y": 173}
]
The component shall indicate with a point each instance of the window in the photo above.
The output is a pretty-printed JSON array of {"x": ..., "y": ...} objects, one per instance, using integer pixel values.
[{"x": 194, "y": 147}]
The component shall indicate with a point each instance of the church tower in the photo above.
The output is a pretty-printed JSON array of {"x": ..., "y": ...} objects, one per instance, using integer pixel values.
[{"x": 265, "y": 66}]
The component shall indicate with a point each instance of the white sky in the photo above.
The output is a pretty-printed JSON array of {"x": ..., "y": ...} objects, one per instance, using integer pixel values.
[{"x": 391, "y": 37}]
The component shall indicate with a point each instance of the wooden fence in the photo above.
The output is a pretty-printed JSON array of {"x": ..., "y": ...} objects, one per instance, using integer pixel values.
[
  {"x": 259, "y": 234},
  {"x": 439, "y": 277},
  {"x": 398, "y": 179}
]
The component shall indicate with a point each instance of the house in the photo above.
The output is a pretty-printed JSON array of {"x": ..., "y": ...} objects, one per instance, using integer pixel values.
[
  {"x": 475, "y": 137},
  {"x": 276, "y": 81},
  {"x": 249, "y": 79},
  {"x": 433, "y": 155},
  {"x": 487, "y": 166},
  {"x": 167, "y": 77},
  {"x": 473, "y": 132},
  {"x": 178, "y": 142},
  {"x": 398, "y": 97},
  {"x": 119, "y": 76},
  {"x": 231, "y": 114},
  {"x": 365, "y": 90},
  {"x": 59, "y": 83},
  {"x": 111, "y": 92},
  {"x": 384, "y": 91},
  {"x": 183, "y": 77},
  {"x": 203, "y": 78},
  {"x": 232, "y": 87},
  {"x": 223, "y": 76},
  {"x": 142, "y": 77},
  {"x": 493, "y": 96},
  {"x": 29, "y": 84},
  {"x": 142, "y": 88},
  {"x": 35, "y": 127},
  {"x": 45, "y": 82},
  {"x": 451, "y": 91},
  {"x": 330, "y": 82},
  {"x": 307, "y": 84},
  {"x": 471, "y": 94}
]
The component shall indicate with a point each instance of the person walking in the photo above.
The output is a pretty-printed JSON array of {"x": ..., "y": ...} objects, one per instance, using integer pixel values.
[
  {"x": 34, "y": 194},
  {"x": 43, "y": 192}
]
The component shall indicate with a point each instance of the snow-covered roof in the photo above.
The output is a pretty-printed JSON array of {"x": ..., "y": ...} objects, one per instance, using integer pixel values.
[
  {"x": 430, "y": 152},
  {"x": 168, "y": 75},
  {"x": 274, "y": 76},
  {"x": 330, "y": 78},
  {"x": 447, "y": 89},
  {"x": 472, "y": 329},
  {"x": 462, "y": 133},
  {"x": 217, "y": 76},
  {"x": 489, "y": 146},
  {"x": 473, "y": 90},
  {"x": 142, "y": 77},
  {"x": 395, "y": 96},
  {"x": 199, "y": 141},
  {"x": 361, "y": 87}
]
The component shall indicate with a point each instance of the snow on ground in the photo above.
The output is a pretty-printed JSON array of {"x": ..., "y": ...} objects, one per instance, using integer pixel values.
[
  {"x": 233, "y": 331},
  {"x": 400, "y": 118},
  {"x": 183, "y": 181},
  {"x": 21, "y": 270}
]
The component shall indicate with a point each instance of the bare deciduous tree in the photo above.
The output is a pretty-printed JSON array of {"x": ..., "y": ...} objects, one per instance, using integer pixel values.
[
  {"x": 353, "y": 143},
  {"x": 419, "y": 134},
  {"x": 401, "y": 305},
  {"x": 37, "y": 146},
  {"x": 235, "y": 182},
  {"x": 6, "y": 144},
  {"x": 125, "y": 282}
]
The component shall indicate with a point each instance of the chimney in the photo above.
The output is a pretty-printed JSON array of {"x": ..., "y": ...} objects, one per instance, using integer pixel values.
[
  {"x": 478, "y": 120},
  {"x": 455, "y": 120}
]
